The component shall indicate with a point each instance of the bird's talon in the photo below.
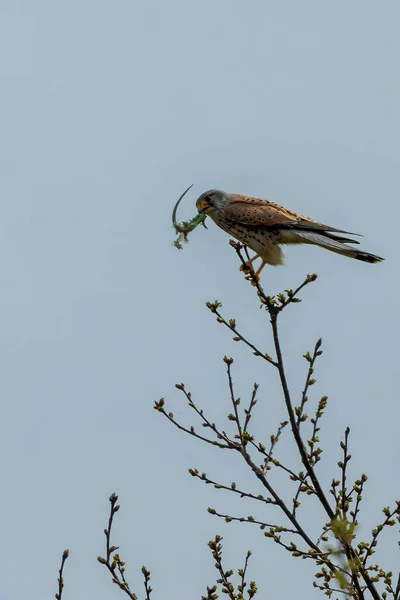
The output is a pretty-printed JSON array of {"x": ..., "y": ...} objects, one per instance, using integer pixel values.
[{"x": 253, "y": 278}]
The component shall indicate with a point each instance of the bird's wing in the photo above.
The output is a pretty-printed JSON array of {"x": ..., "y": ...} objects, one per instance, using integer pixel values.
[{"x": 263, "y": 213}]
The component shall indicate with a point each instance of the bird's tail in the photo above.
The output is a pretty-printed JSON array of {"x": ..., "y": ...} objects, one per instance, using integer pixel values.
[{"x": 330, "y": 241}]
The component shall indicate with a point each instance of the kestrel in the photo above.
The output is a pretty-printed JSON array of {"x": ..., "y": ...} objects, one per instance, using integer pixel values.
[{"x": 265, "y": 226}]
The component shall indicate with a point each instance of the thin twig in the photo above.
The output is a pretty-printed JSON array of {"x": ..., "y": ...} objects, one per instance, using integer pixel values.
[
  {"x": 231, "y": 488},
  {"x": 277, "y": 463},
  {"x": 242, "y": 573},
  {"x": 231, "y": 325},
  {"x": 274, "y": 439},
  {"x": 216, "y": 547},
  {"x": 60, "y": 579},
  {"x": 343, "y": 464},
  {"x": 248, "y": 412},
  {"x": 314, "y": 455},
  {"x": 379, "y": 528},
  {"x": 147, "y": 587},
  {"x": 115, "y": 564},
  {"x": 309, "y": 380},
  {"x": 292, "y": 296},
  {"x": 200, "y": 413},
  {"x": 250, "y": 519},
  {"x": 159, "y": 406},
  {"x": 337, "y": 590},
  {"x": 358, "y": 489},
  {"x": 235, "y": 402}
]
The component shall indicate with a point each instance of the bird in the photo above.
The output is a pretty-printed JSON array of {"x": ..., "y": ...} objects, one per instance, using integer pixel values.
[{"x": 265, "y": 226}]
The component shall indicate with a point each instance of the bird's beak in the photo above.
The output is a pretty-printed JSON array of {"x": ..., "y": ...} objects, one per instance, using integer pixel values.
[{"x": 202, "y": 205}]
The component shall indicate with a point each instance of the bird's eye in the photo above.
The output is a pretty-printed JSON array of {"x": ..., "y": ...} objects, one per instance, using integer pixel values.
[{"x": 204, "y": 202}]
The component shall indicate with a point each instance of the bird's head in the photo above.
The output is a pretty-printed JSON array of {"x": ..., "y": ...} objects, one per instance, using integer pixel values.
[{"x": 212, "y": 201}]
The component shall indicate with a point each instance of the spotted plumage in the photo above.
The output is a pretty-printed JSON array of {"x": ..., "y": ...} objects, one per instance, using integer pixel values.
[{"x": 265, "y": 226}]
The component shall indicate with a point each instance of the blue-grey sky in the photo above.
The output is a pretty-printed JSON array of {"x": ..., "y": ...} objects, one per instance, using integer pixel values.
[{"x": 108, "y": 111}]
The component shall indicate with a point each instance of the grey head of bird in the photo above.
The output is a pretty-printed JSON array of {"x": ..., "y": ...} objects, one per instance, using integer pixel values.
[{"x": 212, "y": 202}]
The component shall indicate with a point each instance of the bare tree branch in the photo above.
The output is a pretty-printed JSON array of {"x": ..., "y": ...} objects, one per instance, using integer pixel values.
[
  {"x": 60, "y": 579},
  {"x": 115, "y": 564}
]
